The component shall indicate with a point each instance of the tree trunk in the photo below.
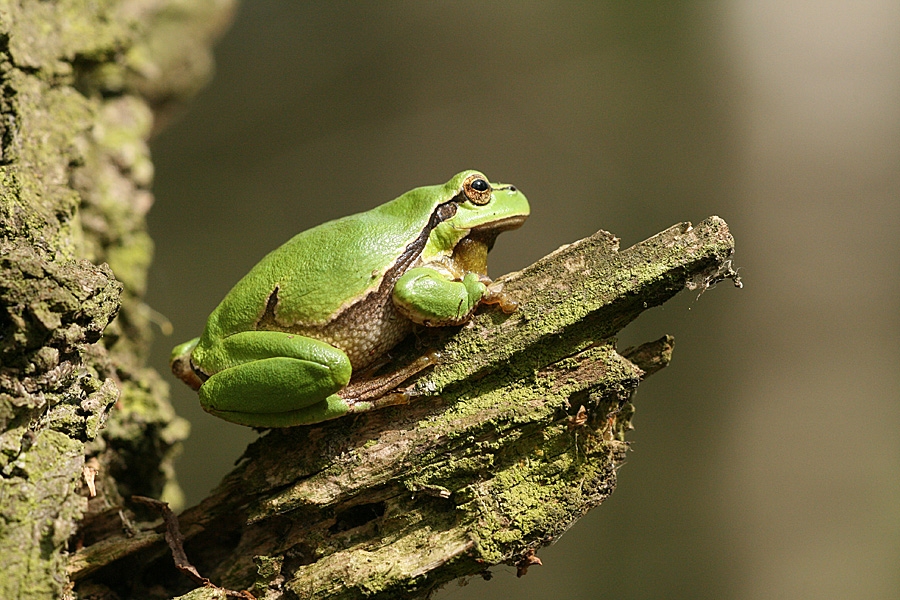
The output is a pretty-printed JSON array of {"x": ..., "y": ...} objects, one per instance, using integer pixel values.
[
  {"x": 512, "y": 435},
  {"x": 79, "y": 84}
]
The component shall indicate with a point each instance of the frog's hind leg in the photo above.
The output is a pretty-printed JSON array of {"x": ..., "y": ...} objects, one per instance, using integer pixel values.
[
  {"x": 332, "y": 407},
  {"x": 369, "y": 393},
  {"x": 276, "y": 380}
]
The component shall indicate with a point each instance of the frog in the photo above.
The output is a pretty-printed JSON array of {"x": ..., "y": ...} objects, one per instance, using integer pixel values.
[{"x": 328, "y": 305}]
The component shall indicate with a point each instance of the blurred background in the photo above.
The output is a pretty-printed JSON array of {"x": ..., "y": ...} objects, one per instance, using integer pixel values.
[{"x": 766, "y": 457}]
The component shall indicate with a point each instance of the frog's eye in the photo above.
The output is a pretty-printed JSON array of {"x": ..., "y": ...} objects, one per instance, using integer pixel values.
[
  {"x": 480, "y": 185},
  {"x": 477, "y": 189}
]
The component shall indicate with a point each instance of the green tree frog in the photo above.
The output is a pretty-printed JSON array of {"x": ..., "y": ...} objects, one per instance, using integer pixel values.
[{"x": 280, "y": 348}]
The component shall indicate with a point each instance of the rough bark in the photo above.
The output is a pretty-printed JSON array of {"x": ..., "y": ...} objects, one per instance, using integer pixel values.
[
  {"x": 511, "y": 437},
  {"x": 513, "y": 434},
  {"x": 79, "y": 84}
]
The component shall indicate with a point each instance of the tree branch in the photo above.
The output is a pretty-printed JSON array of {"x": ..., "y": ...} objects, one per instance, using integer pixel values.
[
  {"x": 513, "y": 434},
  {"x": 511, "y": 437}
]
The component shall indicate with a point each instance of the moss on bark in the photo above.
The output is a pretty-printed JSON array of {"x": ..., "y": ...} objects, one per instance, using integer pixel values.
[
  {"x": 513, "y": 435},
  {"x": 77, "y": 86}
]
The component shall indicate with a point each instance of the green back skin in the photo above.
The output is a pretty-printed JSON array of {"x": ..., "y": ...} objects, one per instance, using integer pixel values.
[{"x": 342, "y": 261}]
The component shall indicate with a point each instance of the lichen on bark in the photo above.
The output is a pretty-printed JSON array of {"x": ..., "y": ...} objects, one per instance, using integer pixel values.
[
  {"x": 514, "y": 434},
  {"x": 78, "y": 85}
]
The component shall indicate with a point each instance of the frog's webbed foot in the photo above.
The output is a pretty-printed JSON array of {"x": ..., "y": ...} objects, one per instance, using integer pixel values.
[{"x": 368, "y": 393}]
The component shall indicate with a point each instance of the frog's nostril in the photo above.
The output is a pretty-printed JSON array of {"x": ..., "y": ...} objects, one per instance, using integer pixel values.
[{"x": 512, "y": 189}]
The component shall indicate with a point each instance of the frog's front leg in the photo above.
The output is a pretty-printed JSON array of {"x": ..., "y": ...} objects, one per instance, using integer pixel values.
[
  {"x": 274, "y": 379},
  {"x": 429, "y": 298}
]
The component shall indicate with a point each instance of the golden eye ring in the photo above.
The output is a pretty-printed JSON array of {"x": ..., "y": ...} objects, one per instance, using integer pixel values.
[{"x": 477, "y": 189}]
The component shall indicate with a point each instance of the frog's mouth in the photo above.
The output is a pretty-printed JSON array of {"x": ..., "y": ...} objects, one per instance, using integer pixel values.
[
  {"x": 488, "y": 232},
  {"x": 504, "y": 224}
]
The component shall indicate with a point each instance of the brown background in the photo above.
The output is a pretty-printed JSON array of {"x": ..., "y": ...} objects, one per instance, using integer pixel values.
[{"x": 766, "y": 458}]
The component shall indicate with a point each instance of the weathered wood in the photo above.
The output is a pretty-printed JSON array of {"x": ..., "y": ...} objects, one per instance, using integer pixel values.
[{"x": 510, "y": 438}]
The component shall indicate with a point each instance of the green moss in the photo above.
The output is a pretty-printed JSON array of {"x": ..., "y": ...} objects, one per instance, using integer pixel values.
[
  {"x": 267, "y": 568},
  {"x": 42, "y": 482},
  {"x": 73, "y": 194}
]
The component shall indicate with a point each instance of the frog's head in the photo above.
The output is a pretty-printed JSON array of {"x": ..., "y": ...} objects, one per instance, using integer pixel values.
[
  {"x": 481, "y": 205},
  {"x": 472, "y": 212}
]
